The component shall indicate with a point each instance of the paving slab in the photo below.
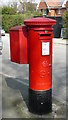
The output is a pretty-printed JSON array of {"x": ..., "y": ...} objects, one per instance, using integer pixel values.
[
  {"x": 60, "y": 41},
  {"x": 15, "y": 101}
]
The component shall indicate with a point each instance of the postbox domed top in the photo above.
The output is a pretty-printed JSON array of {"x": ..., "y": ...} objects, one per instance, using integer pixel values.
[{"x": 39, "y": 21}]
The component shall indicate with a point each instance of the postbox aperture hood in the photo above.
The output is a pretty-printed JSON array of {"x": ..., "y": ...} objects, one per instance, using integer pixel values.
[{"x": 39, "y": 21}]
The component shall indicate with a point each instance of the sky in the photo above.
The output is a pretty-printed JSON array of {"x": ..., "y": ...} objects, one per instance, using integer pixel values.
[{"x": 3, "y": 2}]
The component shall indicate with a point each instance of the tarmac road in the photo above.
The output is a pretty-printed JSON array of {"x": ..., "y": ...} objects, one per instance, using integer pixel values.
[{"x": 15, "y": 74}]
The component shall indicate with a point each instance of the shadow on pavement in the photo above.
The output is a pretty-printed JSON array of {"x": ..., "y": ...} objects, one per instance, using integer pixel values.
[
  {"x": 16, "y": 85},
  {"x": 0, "y": 53}
]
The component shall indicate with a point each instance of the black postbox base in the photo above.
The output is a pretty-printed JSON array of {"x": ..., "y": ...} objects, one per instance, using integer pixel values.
[{"x": 40, "y": 102}]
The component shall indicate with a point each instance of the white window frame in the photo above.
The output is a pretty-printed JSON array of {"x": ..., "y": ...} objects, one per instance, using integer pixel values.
[{"x": 59, "y": 11}]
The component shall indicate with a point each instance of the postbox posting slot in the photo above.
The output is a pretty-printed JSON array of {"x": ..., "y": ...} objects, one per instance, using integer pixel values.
[
  {"x": 41, "y": 35},
  {"x": 44, "y": 36}
]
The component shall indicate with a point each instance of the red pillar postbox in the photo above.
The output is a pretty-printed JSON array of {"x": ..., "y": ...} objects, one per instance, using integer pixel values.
[
  {"x": 40, "y": 63},
  {"x": 18, "y": 45}
]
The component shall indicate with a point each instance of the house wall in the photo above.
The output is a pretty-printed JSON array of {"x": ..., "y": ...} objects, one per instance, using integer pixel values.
[
  {"x": 51, "y": 13},
  {"x": 55, "y": 12},
  {"x": 62, "y": 11}
]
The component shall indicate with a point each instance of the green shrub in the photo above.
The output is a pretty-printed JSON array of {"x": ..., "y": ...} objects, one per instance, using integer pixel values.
[
  {"x": 9, "y": 10},
  {"x": 9, "y": 21},
  {"x": 65, "y": 19},
  {"x": 65, "y": 24}
]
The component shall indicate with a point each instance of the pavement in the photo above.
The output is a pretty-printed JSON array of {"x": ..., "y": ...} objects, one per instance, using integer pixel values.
[
  {"x": 15, "y": 101},
  {"x": 60, "y": 41},
  {"x": 15, "y": 84}
]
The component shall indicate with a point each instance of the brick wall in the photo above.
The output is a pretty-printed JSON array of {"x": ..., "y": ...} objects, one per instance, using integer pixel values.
[{"x": 55, "y": 12}]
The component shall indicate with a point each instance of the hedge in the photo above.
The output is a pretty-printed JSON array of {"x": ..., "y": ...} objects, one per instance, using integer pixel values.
[
  {"x": 65, "y": 25},
  {"x": 9, "y": 21},
  {"x": 65, "y": 19}
]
